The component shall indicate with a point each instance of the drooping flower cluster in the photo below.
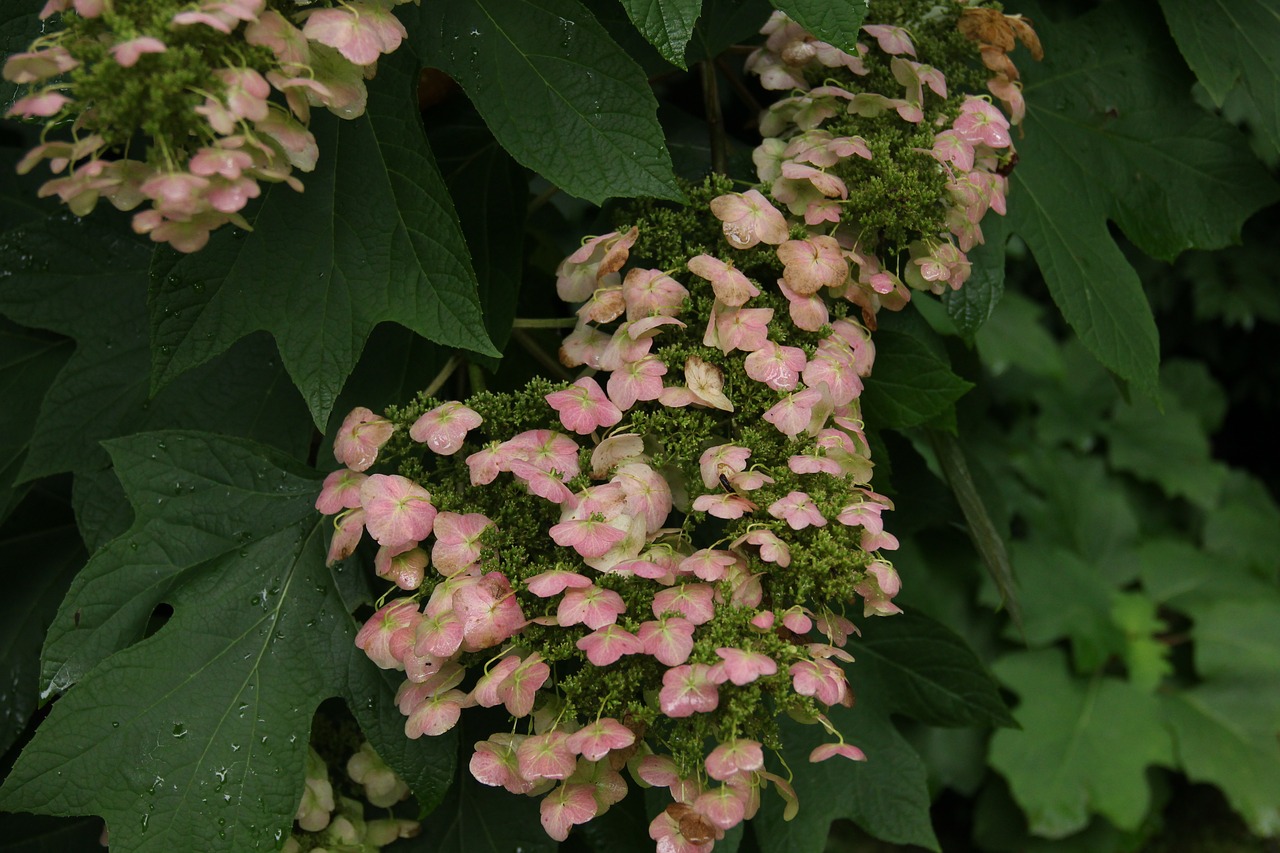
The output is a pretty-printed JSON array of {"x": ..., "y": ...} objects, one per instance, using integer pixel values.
[
  {"x": 663, "y": 553},
  {"x": 327, "y": 820},
  {"x": 221, "y": 89}
]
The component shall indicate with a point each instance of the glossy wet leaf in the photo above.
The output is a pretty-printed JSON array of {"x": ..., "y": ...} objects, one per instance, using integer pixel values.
[
  {"x": 219, "y": 700},
  {"x": 374, "y": 238},
  {"x": 556, "y": 92},
  {"x": 667, "y": 24}
]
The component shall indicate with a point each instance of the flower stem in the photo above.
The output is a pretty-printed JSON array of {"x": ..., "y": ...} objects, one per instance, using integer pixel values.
[{"x": 715, "y": 120}]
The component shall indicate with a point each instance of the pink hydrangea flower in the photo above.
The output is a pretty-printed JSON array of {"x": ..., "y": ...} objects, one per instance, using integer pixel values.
[
  {"x": 518, "y": 690},
  {"x": 360, "y": 437},
  {"x": 494, "y": 763},
  {"x": 579, "y": 274},
  {"x": 688, "y": 690},
  {"x": 892, "y": 40},
  {"x": 489, "y": 612},
  {"x": 554, "y": 582},
  {"x": 457, "y": 544},
  {"x": 743, "y": 667},
  {"x": 705, "y": 387},
  {"x": 669, "y": 640},
  {"x": 545, "y": 449},
  {"x": 676, "y": 827},
  {"x": 567, "y": 806},
  {"x": 361, "y": 32},
  {"x": 596, "y": 740},
  {"x": 649, "y": 292},
  {"x": 725, "y": 806},
  {"x": 389, "y": 633},
  {"x": 749, "y": 219},
  {"x": 721, "y": 459},
  {"x": 745, "y": 329},
  {"x": 397, "y": 510},
  {"x": 776, "y": 366},
  {"x": 735, "y": 759},
  {"x": 772, "y": 549},
  {"x": 584, "y": 407},
  {"x": 878, "y": 589},
  {"x": 793, "y": 413},
  {"x": 812, "y": 264},
  {"x": 727, "y": 506},
  {"x": 608, "y": 644},
  {"x": 444, "y": 428},
  {"x": 693, "y": 601},
  {"x": 403, "y": 565},
  {"x": 348, "y": 528},
  {"x": 981, "y": 122},
  {"x": 798, "y": 510},
  {"x": 437, "y": 714},
  {"x": 708, "y": 564},
  {"x": 546, "y": 756},
  {"x": 731, "y": 286},
  {"x": 590, "y": 606},
  {"x": 544, "y": 484},
  {"x": 831, "y": 750},
  {"x": 341, "y": 490},
  {"x": 821, "y": 679}
]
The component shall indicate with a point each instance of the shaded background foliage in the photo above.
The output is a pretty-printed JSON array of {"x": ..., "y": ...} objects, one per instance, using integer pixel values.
[{"x": 1084, "y": 413}]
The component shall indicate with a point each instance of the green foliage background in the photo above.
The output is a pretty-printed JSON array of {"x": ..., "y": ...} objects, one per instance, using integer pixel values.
[{"x": 1084, "y": 524}]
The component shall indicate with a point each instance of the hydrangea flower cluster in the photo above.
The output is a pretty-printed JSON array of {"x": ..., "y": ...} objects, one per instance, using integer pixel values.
[
  {"x": 330, "y": 821},
  {"x": 222, "y": 90},
  {"x": 646, "y": 567}
]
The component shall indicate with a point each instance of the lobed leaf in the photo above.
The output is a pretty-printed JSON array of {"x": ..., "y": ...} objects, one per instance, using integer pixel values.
[
  {"x": 556, "y": 92},
  {"x": 911, "y": 383},
  {"x": 374, "y": 238}
]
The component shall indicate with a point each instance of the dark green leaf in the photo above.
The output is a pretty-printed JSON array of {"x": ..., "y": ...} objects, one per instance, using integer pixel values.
[
  {"x": 220, "y": 699},
  {"x": 886, "y": 795},
  {"x": 1231, "y": 43},
  {"x": 1111, "y": 134},
  {"x": 1238, "y": 639},
  {"x": 724, "y": 23},
  {"x": 1016, "y": 337},
  {"x": 667, "y": 24},
  {"x": 556, "y": 92},
  {"x": 1084, "y": 746},
  {"x": 39, "y": 555},
  {"x": 835, "y": 23},
  {"x": 971, "y": 306},
  {"x": 19, "y": 27},
  {"x": 1246, "y": 524},
  {"x": 25, "y": 833},
  {"x": 29, "y": 361},
  {"x": 927, "y": 672},
  {"x": 1226, "y": 736},
  {"x": 373, "y": 238},
  {"x": 85, "y": 280},
  {"x": 910, "y": 384}
]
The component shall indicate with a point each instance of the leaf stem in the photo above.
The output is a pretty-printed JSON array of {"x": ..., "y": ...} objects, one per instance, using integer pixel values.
[
  {"x": 527, "y": 341},
  {"x": 715, "y": 119},
  {"x": 443, "y": 376}
]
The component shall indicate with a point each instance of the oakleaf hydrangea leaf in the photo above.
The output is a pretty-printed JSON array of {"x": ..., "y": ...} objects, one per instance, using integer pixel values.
[
  {"x": 1108, "y": 135},
  {"x": 29, "y": 362},
  {"x": 1225, "y": 734},
  {"x": 88, "y": 280},
  {"x": 835, "y": 23},
  {"x": 219, "y": 700},
  {"x": 667, "y": 24},
  {"x": 556, "y": 92},
  {"x": 1230, "y": 43},
  {"x": 911, "y": 384},
  {"x": 1084, "y": 746},
  {"x": 374, "y": 238}
]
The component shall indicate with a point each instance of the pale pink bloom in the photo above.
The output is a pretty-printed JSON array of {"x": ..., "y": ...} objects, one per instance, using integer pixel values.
[
  {"x": 545, "y": 449},
  {"x": 776, "y": 366},
  {"x": 796, "y": 620},
  {"x": 649, "y": 292},
  {"x": 208, "y": 162},
  {"x": 596, "y": 740},
  {"x": 397, "y": 509},
  {"x": 648, "y": 495},
  {"x": 439, "y": 634},
  {"x": 643, "y": 569},
  {"x": 872, "y": 104},
  {"x": 444, "y": 428},
  {"x": 745, "y": 329},
  {"x": 457, "y": 543},
  {"x": 485, "y": 692},
  {"x": 605, "y": 500},
  {"x": 915, "y": 76},
  {"x": 360, "y": 437},
  {"x": 348, "y": 528},
  {"x": 180, "y": 195},
  {"x": 436, "y": 715},
  {"x": 728, "y": 506},
  {"x": 742, "y": 667},
  {"x": 669, "y": 640},
  {"x": 721, "y": 459},
  {"x": 949, "y": 147},
  {"x": 486, "y": 463},
  {"x": 127, "y": 53},
  {"x": 687, "y": 690},
  {"x": 657, "y": 770},
  {"x": 980, "y": 121},
  {"x": 555, "y": 582},
  {"x": 837, "y": 628},
  {"x": 1010, "y": 94},
  {"x": 834, "y": 366},
  {"x": 360, "y": 32},
  {"x": 821, "y": 679},
  {"x": 583, "y": 407},
  {"x": 775, "y": 75},
  {"x": 616, "y": 450},
  {"x": 544, "y": 484},
  {"x": 590, "y": 606},
  {"x": 763, "y": 621},
  {"x": 341, "y": 490},
  {"x": 814, "y": 461},
  {"x": 734, "y": 759},
  {"x": 859, "y": 341},
  {"x": 693, "y": 601},
  {"x": 246, "y": 92},
  {"x": 489, "y": 612},
  {"x": 494, "y": 763},
  {"x": 579, "y": 274},
  {"x": 274, "y": 32},
  {"x": 231, "y": 196},
  {"x": 724, "y": 807},
  {"x": 42, "y": 104},
  {"x": 518, "y": 690},
  {"x": 669, "y": 827},
  {"x": 798, "y": 510},
  {"x": 606, "y": 645},
  {"x": 772, "y": 549},
  {"x": 546, "y": 756},
  {"x": 892, "y": 40},
  {"x": 823, "y": 210},
  {"x": 731, "y": 286},
  {"x": 389, "y": 633},
  {"x": 705, "y": 387},
  {"x": 32, "y": 67},
  {"x": 824, "y": 182},
  {"x": 792, "y": 414},
  {"x": 567, "y": 806},
  {"x": 878, "y": 588},
  {"x": 749, "y": 219},
  {"x": 812, "y": 264},
  {"x": 403, "y": 565},
  {"x": 708, "y": 564},
  {"x": 807, "y": 312},
  {"x": 588, "y": 536}
]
